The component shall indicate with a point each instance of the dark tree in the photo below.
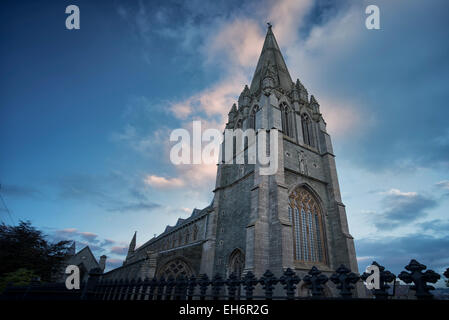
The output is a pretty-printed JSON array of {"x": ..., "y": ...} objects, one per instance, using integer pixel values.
[{"x": 25, "y": 247}]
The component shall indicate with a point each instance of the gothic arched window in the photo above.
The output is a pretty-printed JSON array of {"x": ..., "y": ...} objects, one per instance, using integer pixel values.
[
  {"x": 286, "y": 118},
  {"x": 307, "y": 219},
  {"x": 307, "y": 130},
  {"x": 252, "y": 117},
  {"x": 236, "y": 262},
  {"x": 195, "y": 233},
  {"x": 175, "y": 268},
  {"x": 187, "y": 239}
]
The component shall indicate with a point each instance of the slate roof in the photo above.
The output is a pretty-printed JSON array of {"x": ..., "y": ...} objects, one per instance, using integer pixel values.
[{"x": 195, "y": 214}]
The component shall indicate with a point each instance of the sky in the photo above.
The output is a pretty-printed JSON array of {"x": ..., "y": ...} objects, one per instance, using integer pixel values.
[{"x": 86, "y": 115}]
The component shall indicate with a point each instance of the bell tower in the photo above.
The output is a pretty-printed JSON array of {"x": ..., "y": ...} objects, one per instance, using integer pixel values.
[{"x": 295, "y": 217}]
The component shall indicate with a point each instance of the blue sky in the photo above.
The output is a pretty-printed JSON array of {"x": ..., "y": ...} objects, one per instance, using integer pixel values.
[{"x": 86, "y": 114}]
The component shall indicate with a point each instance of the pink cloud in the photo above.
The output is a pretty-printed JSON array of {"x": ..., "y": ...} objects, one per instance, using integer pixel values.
[
  {"x": 240, "y": 41},
  {"x": 67, "y": 233},
  {"x": 114, "y": 263},
  {"x": 213, "y": 101},
  {"x": 88, "y": 235},
  {"x": 286, "y": 17},
  {"x": 197, "y": 175},
  {"x": 162, "y": 182},
  {"x": 119, "y": 250},
  {"x": 341, "y": 118}
]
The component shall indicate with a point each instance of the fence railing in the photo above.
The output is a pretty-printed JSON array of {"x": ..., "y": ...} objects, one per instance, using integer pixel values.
[{"x": 249, "y": 287}]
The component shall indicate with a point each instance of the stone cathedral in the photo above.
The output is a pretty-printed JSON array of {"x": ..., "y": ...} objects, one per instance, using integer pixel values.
[{"x": 294, "y": 218}]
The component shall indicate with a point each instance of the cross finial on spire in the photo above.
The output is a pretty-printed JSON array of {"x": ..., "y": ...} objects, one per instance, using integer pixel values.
[{"x": 269, "y": 25}]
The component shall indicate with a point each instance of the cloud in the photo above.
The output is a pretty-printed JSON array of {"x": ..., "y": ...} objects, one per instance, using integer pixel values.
[
  {"x": 443, "y": 184},
  {"x": 89, "y": 236},
  {"x": 140, "y": 206},
  {"x": 74, "y": 234},
  {"x": 239, "y": 48},
  {"x": 106, "y": 191},
  {"x": 198, "y": 176},
  {"x": 186, "y": 210},
  {"x": 402, "y": 208},
  {"x": 107, "y": 242},
  {"x": 97, "y": 250},
  {"x": 341, "y": 118},
  {"x": 97, "y": 244},
  {"x": 211, "y": 102},
  {"x": 66, "y": 232},
  {"x": 436, "y": 226},
  {"x": 287, "y": 17},
  {"x": 120, "y": 250},
  {"x": 381, "y": 87},
  {"x": 142, "y": 131},
  {"x": 161, "y": 182},
  {"x": 113, "y": 263},
  {"x": 18, "y": 190},
  {"x": 81, "y": 238}
]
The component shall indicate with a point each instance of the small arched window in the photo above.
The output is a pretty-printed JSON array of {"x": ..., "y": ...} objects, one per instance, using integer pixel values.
[
  {"x": 307, "y": 130},
  {"x": 187, "y": 238},
  {"x": 308, "y": 233},
  {"x": 252, "y": 117},
  {"x": 286, "y": 118},
  {"x": 195, "y": 233},
  {"x": 236, "y": 263}
]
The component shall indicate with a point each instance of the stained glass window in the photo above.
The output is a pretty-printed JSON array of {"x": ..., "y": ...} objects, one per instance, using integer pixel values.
[{"x": 306, "y": 217}]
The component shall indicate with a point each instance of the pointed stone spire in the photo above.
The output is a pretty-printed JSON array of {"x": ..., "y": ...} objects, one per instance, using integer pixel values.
[
  {"x": 271, "y": 64},
  {"x": 233, "y": 109},
  {"x": 313, "y": 100},
  {"x": 232, "y": 114},
  {"x": 132, "y": 244},
  {"x": 302, "y": 93},
  {"x": 314, "y": 104},
  {"x": 245, "y": 97},
  {"x": 246, "y": 92}
]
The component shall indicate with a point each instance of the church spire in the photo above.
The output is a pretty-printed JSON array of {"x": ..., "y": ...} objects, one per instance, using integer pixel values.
[
  {"x": 271, "y": 65},
  {"x": 132, "y": 244}
]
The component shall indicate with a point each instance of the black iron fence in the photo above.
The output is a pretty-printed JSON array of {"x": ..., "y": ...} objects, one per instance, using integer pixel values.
[{"x": 249, "y": 287}]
